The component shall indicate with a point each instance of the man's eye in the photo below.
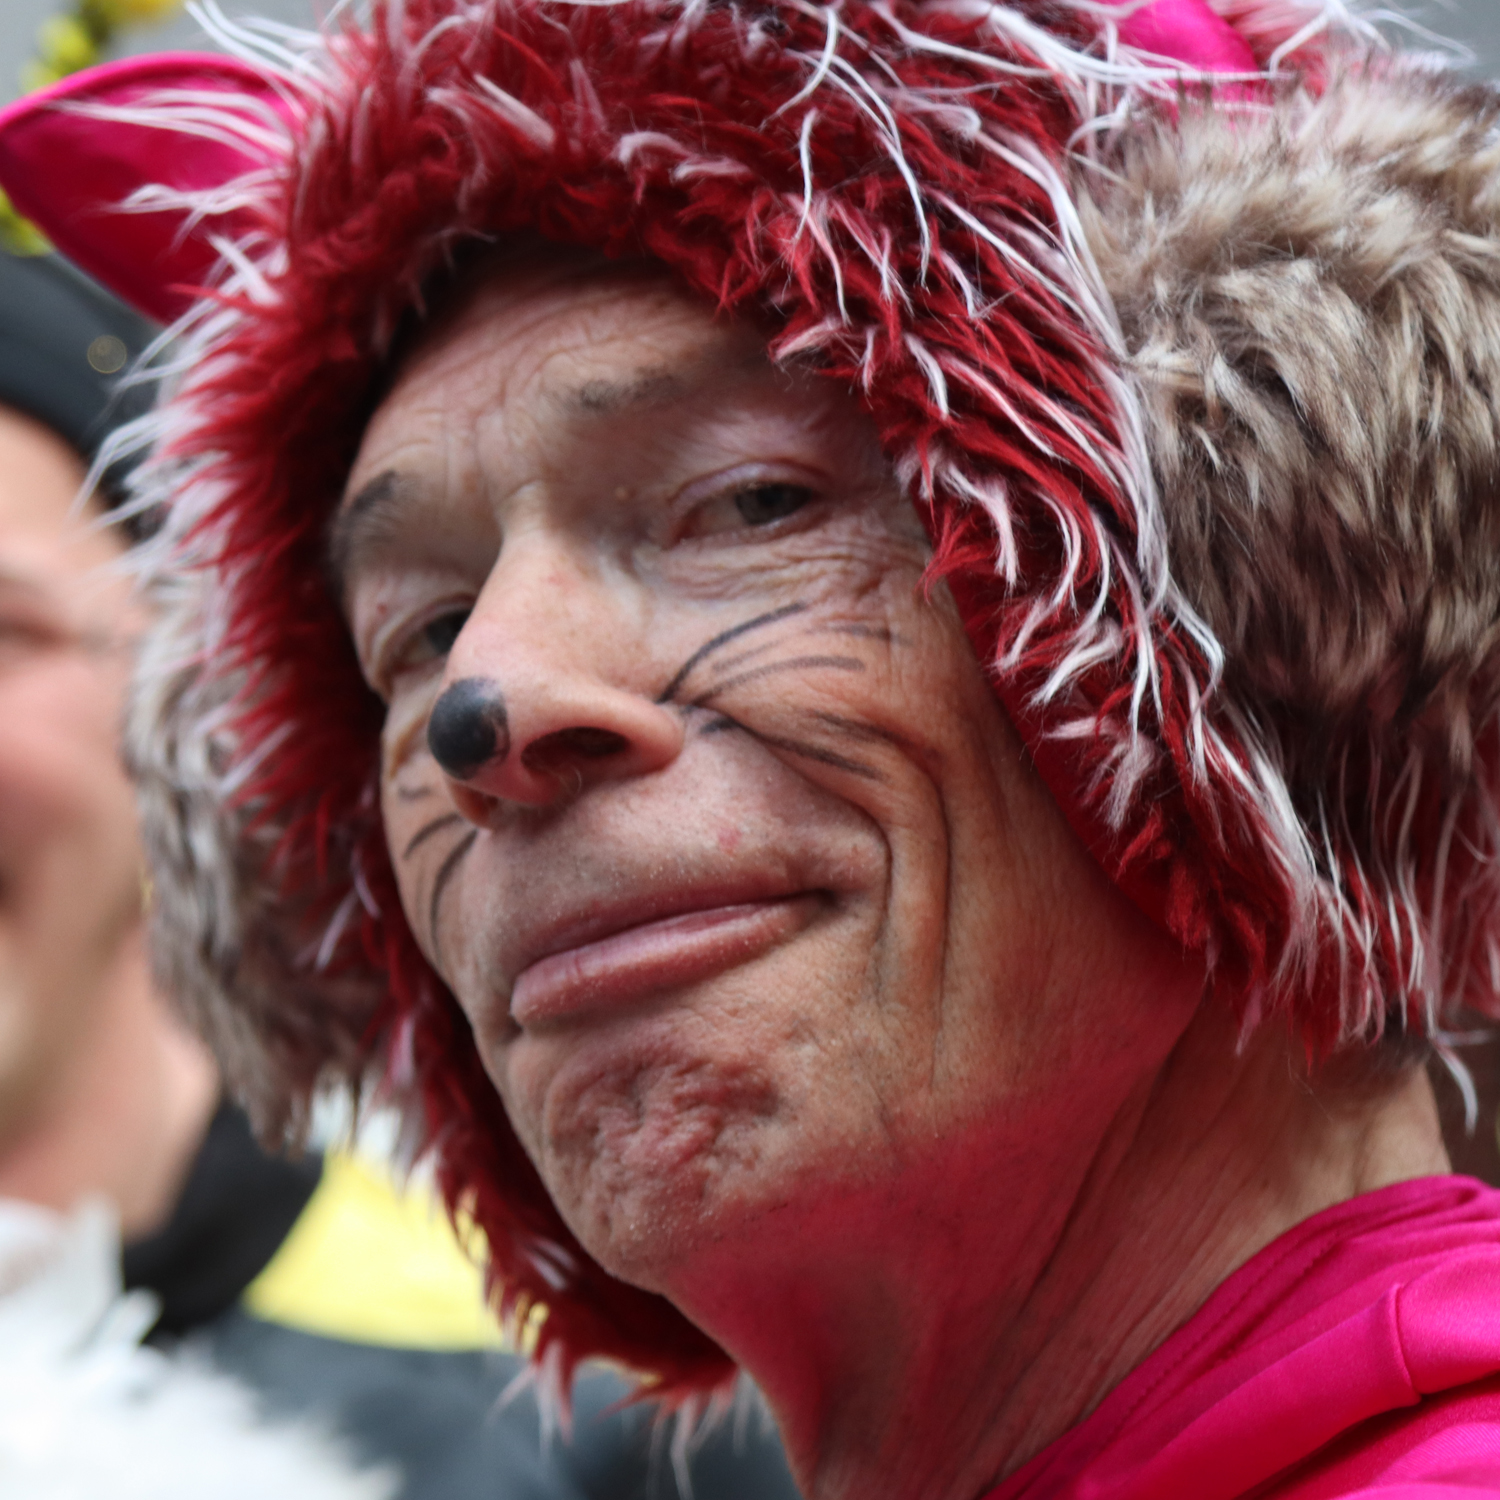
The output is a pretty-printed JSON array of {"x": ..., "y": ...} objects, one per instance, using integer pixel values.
[
  {"x": 760, "y": 504},
  {"x": 416, "y": 649},
  {"x": 439, "y": 634}
]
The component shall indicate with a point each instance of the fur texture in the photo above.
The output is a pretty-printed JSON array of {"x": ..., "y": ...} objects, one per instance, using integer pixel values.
[
  {"x": 1197, "y": 398},
  {"x": 1310, "y": 300}
]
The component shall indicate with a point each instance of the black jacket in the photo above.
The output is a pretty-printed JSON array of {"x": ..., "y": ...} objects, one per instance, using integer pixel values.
[{"x": 433, "y": 1413}]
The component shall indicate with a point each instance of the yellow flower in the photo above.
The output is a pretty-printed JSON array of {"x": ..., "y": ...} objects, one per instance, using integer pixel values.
[
  {"x": 17, "y": 235},
  {"x": 129, "y": 12},
  {"x": 67, "y": 46},
  {"x": 76, "y": 38}
]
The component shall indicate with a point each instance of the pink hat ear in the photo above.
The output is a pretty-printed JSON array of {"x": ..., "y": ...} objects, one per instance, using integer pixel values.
[
  {"x": 1188, "y": 31},
  {"x": 71, "y": 156}
]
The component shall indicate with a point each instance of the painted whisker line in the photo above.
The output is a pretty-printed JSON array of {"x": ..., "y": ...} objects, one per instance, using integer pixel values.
[
  {"x": 415, "y": 793},
  {"x": 866, "y": 632},
  {"x": 444, "y": 874},
  {"x": 825, "y": 757},
  {"x": 857, "y": 730},
  {"x": 804, "y": 748},
  {"x": 427, "y": 830},
  {"x": 741, "y": 657},
  {"x": 869, "y": 633},
  {"x": 759, "y": 622},
  {"x": 792, "y": 664}
]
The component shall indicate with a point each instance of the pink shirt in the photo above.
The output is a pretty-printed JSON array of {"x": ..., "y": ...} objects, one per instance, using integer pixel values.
[{"x": 1358, "y": 1355}]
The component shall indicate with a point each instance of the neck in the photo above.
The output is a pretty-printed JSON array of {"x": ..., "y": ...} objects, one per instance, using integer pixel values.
[
  {"x": 124, "y": 1116},
  {"x": 930, "y": 1359}
]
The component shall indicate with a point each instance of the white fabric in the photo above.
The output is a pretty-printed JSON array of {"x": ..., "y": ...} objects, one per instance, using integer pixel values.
[{"x": 88, "y": 1413}]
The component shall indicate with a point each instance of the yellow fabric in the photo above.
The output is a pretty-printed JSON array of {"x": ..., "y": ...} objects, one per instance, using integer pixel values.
[{"x": 372, "y": 1264}]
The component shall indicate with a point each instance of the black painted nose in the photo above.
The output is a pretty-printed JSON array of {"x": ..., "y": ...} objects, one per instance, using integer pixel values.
[{"x": 469, "y": 727}]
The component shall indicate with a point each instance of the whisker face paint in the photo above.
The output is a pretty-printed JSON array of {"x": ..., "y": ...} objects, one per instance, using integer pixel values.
[
  {"x": 798, "y": 746},
  {"x": 760, "y": 622},
  {"x": 859, "y": 730},
  {"x": 808, "y": 750},
  {"x": 440, "y": 882},
  {"x": 447, "y": 820},
  {"x": 772, "y": 669}
]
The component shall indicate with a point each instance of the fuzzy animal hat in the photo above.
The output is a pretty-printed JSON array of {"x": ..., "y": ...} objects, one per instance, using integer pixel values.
[{"x": 1180, "y": 321}]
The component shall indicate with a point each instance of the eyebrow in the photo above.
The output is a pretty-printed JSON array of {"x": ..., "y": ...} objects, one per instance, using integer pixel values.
[
  {"x": 356, "y": 525},
  {"x": 610, "y": 398},
  {"x": 367, "y": 517}
]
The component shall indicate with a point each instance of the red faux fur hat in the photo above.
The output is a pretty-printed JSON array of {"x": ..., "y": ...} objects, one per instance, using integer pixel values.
[{"x": 1180, "y": 321}]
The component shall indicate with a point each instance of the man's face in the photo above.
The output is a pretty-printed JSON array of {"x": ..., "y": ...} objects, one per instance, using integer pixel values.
[
  {"x": 732, "y": 860},
  {"x": 69, "y": 859}
]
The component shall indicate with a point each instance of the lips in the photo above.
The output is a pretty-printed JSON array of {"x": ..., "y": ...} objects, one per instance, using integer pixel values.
[{"x": 612, "y": 958}]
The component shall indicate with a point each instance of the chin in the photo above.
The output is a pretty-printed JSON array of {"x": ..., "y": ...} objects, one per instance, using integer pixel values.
[{"x": 651, "y": 1152}]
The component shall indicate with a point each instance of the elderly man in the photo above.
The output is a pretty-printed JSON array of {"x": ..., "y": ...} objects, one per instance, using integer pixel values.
[
  {"x": 855, "y": 646},
  {"x": 102, "y": 1090},
  {"x": 104, "y": 1094}
]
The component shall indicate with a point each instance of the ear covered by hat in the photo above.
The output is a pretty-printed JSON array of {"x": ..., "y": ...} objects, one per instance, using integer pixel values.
[
  {"x": 124, "y": 208},
  {"x": 1182, "y": 325}
]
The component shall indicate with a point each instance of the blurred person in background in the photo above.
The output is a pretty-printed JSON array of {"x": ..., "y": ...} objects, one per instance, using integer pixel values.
[
  {"x": 104, "y": 1097},
  {"x": 312, "y": 1280}
]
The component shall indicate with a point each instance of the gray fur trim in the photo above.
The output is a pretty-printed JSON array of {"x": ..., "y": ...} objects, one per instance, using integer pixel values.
[
  {"x": 1310, "y": 300},
  {"x": 279, "y": 1026}
]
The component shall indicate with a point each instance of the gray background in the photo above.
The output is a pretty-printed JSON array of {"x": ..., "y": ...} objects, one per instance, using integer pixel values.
[{"x": 1474, "y": 22}]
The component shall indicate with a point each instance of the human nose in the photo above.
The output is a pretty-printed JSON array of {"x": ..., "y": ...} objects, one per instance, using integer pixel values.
[{"x": 538, "y": 703}]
